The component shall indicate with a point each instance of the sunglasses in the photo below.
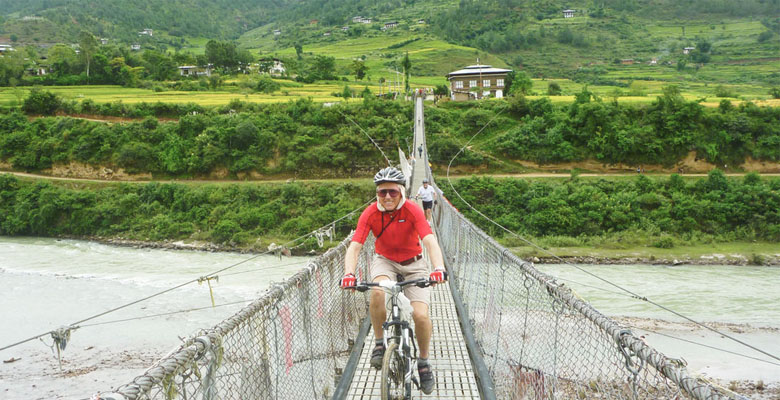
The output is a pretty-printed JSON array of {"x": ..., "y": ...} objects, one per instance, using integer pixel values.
[{"x": 384, "y": 192}]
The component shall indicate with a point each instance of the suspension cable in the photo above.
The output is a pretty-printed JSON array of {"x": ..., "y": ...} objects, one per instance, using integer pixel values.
[
  {"x": 562, "y": 261},
  {"x": 188, "y": 282}
]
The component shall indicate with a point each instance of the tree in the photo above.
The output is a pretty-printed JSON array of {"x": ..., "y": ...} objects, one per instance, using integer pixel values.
[
  {"x": 441, "y": 90},
  {"x": 159, "y": 66},
  {"x": 323, "y": 68},
  {"x": 298, "y": 50},
  {"x": 63, "y": 59},
  {"x": 359, "y": 69},
  {"x": 407, "y": 66},
  {"x": 11, "y": 67},
  {"x": 88, "y": 45},
  {"x": 222, "y": 54},
  {"x": 775, "y": 92},
  {"x": 520, "y": 83}
]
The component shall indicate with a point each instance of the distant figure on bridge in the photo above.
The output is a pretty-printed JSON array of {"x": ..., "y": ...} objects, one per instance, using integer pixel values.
[
  {"x": 428, "y": 196},
  {"x": 419, "y": 150},
  {"x": 398, "y": 226}
]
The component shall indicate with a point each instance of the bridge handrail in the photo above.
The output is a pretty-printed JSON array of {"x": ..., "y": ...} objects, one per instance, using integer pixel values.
[
  {"x": 291, "y": 343},
  {"x": 474, "y": 255}
]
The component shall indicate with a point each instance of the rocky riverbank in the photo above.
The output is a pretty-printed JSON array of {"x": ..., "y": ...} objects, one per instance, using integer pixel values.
[
  {"x": 713, "y": 259},
  {"x": 272, "y": 248}
]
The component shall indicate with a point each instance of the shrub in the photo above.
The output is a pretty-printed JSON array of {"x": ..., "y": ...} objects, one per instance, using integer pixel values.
[
  {"x": 664, "y": 242},
  {"x": 267, "y": 85},
  {"x": 41, "y": 102},
  {"x": 554, "y": 89}
]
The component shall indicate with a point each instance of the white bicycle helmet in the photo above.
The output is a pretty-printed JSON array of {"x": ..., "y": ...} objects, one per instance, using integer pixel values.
[{"x": 390, "y": 174}]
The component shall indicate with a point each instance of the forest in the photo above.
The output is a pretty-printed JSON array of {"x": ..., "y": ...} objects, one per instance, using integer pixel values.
[
  {"x": 307, "y": 139},
  {"x": 666, "y": 211}
]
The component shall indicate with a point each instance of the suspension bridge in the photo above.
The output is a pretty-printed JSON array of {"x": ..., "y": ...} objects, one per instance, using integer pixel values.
[{"x": 502, "y": 330}]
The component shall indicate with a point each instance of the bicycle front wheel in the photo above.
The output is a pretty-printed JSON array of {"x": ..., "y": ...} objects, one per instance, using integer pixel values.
[{"x": 393, "y": 370}]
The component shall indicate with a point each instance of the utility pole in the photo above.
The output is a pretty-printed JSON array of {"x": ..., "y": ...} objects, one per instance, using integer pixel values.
[{"x": 480, "y": 84}]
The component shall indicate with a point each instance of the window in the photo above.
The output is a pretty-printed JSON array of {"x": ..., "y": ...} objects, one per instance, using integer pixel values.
[
  {"x": 500, "y": 82},
  {"x": 458, "y": 84},
  {"x": 473, "y": 83},
  {"x": 486, "y": 83}
]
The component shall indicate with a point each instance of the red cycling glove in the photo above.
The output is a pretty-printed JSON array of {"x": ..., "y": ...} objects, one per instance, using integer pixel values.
[
  {"x": 438, "y": 275},
  {"x": 348, "y": 281}
]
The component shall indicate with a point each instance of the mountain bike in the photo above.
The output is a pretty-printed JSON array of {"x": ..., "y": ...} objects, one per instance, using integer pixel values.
[{"x": 400, "y": 346}]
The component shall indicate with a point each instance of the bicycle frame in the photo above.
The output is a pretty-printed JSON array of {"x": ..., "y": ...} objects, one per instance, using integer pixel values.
[
  {"x": 401, "y": 331},
  {"x": 397, "y": 328}
]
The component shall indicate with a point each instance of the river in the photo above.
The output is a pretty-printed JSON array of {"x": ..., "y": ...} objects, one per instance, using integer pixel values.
[{"x": 47, "y": 283}]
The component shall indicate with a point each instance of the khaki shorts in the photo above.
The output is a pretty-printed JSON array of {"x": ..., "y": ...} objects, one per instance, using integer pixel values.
[{"x": 419, "y": 269}]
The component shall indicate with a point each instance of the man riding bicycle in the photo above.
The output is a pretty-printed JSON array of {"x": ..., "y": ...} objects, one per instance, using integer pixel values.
[{"x": 398, "y": 226}]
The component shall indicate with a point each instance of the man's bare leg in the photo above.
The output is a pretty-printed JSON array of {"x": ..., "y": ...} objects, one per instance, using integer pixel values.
[
  {"x": 376, "y": 307},
  {"x": 422, "y": 327}
]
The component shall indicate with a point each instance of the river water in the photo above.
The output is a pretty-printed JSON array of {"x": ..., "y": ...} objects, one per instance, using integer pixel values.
[{"x": 48, "y": 283}]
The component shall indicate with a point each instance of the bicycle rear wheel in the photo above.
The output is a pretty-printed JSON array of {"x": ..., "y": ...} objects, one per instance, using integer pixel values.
[{"x": 393, "y": 370}]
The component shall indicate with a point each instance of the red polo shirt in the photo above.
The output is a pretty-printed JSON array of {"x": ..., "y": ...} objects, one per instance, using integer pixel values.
[{"x": 403, "y": 229}]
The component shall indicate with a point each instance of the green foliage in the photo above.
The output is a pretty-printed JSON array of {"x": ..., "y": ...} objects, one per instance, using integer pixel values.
[
  {"x": 554, "y": 89},
  {"x": 41, "y": 102},
  {"x": 267, "y": 85},
  {"x": 520, "y": 83},
  {"x": 765, "y": 36},
  {"x": 232, "y": 214},
  {"x": 666, "y": 208}
]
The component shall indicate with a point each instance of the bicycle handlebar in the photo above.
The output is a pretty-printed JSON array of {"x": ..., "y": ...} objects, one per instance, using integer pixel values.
[{"x": 363, "y": 286}]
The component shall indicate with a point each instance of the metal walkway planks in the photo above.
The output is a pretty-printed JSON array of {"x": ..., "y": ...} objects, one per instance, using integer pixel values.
[{"x": 449, "y": 357}]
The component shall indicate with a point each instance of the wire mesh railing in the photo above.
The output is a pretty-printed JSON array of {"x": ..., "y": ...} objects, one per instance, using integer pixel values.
[
  {"x": 292, "y": 343},
  {"x": 540, "y": 341}
]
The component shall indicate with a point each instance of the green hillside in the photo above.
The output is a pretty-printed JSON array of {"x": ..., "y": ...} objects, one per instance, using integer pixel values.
[{"x": 627, "y": 47}]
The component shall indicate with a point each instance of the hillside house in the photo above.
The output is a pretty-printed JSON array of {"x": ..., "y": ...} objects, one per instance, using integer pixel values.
[
  {"x": 277, "y": 32},
  {"x": 391, "y": 24},
  {"x": 627, "y": 61},
  {"x": 194, "y": 71},
  {"x": 344, "y": 28},
  {"x": 357, "y": 19},
  {"x": 326, "y": 33},
  {"x": 103, "y": 41},
  {"x": 146, "y": 32},
  {"x": 135, "y": 47},
  {"x": 5, "y": 47},
  {"x": 276, "y": 66},
  {"x": 688, "y": 50},
  {"x": 653, "y": 61},
  {"x": 365, "y": 21},
  {"x": 568, "y": 13},
  {"x": 477, "y": 82},
  {"x": 313, "y": 22},
  {"x": 420, "y": 21}
]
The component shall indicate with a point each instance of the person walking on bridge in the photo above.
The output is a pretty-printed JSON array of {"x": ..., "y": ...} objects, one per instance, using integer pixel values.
[
  {"x": 398, "y": 226},
  {"x": 428, "y": 195}
]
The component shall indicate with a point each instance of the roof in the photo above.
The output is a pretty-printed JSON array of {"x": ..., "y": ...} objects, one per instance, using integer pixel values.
[
  {"x": 569, "y": 10},
  {"x": 479, "y": 69}
]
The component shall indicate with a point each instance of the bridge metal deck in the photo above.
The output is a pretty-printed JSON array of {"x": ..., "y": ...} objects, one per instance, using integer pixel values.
[{"x": 449, "y": 357}]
